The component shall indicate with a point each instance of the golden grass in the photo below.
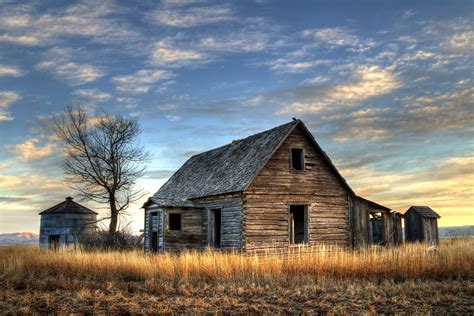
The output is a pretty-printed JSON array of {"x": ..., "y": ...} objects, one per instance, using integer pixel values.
[
  {"x": 453, "y": 259},
  {"x": 406, "y": 279}
]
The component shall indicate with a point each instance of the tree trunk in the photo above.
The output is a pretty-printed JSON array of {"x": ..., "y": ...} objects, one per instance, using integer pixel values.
[{"x": 113, "y": 215}]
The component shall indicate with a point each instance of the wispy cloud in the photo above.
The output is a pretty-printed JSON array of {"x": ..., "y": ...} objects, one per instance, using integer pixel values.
[
  {"x": 141, "y": 81},
  {"x": 166, "y": 55},
  {"x": 92, "y": 96},
  {"x": 10, "y": 71},
  {"x": 186, "y": 17},
  {"x": 6, "y": 99},
  {"x": 366, "y": 82},
  {"x": 339, "y": 37},
  {"x": 27, "y": 40},
  {"x": 72, "y": 72}
]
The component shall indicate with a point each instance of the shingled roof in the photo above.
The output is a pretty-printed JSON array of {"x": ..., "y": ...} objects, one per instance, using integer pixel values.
[
  {"x": 68, "y": 206},
  {"x": 230, "y": 168},
  {"x": 424, "y": 211}
]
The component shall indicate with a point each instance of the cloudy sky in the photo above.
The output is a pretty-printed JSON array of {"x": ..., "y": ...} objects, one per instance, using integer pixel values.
[{"x": 385, "y": 87}]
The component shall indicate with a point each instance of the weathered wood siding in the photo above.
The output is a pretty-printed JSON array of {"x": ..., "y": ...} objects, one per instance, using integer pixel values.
[
  {"x": 267, "y": 200},
  {"x": 360, "y": 222},
  {"x": 413, "y": 227},
  {"x": 190, "y": 235},
  {"x": 69, "y": 226},
  {"x": 154, "y": 217},
  {"x": 231, "y": 219}
]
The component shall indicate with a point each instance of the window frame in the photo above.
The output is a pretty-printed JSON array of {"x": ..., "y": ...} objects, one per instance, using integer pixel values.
[{"x": 303, "y": 161}]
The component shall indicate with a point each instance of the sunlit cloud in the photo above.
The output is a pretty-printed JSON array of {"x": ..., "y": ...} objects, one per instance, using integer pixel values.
[
  {"x": 74, "y": 73},
  {"x": 166, "y": 55},
  {"x": 92, "y": 96},
  {"x": 6, "y": 99},
  {"x": 29, "y": 150},
  {"x": 10, "y": 71},
  {"x": 186, "y": 17},
  {"x": 27, "y": 40},
  {"x": 141, "y": 81}
]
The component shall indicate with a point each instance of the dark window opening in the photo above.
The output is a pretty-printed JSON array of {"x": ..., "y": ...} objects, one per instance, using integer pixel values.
[
  {"x": 154, "y": 241},
  {"x": 298, "y": 224},
  {"x": 297, "y": 159},
  {"x": 53, "y": 242},
  {"x": 216, "y": 224},
  {"x": 175, "y": 222}
]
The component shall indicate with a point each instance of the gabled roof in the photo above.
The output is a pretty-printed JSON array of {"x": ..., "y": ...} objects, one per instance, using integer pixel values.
[
  {"x": 230, "y": 168},
  {"x": 375, "y": 205},
  {"x": 424, "y": 211},
  {"x": 68, "y": 206}
]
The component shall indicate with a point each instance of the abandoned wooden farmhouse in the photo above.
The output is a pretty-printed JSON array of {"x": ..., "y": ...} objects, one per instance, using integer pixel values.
[{"x": 273, "y": 189}]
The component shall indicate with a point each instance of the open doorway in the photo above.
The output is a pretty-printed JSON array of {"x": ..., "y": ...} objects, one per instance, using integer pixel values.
[
  {"x": 376, "y": 228},
  {"x": 298, "y": 224},
  {"x": 215, "y": 228},
  {"x": 53, "y": 242}
]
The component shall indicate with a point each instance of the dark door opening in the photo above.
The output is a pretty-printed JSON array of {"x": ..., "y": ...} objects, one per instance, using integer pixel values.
[
  {"x": 216, "y": 228},
  {"x": 154, "y": 241},
  {"x": 53, "y": 242},
  {"x": 298, "y": 229},
  {"x": 376, "y": 228}
]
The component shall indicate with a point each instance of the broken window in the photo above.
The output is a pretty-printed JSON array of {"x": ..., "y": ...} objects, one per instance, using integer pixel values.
[
  {"x": 297, "y": 159},
  {"x": 175, "y": 222},
  {"x": 298, "y": 229}
]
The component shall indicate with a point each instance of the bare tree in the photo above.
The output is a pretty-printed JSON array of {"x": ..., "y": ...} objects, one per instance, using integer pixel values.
[{"x": 102, "y": 158}]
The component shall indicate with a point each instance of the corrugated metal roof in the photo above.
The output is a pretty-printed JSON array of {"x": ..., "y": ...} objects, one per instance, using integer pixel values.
[{"x": 68, "y": 206}]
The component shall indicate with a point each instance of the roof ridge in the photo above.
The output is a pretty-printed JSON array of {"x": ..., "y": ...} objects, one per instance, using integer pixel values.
[{"x": 244, "y": 138}]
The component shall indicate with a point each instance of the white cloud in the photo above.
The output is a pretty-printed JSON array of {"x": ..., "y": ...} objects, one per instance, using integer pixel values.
[
  {"x": 339, "y": 37},
  {"x": 165, "y": 55},
  {"x": 10, "y": 71},
  {"x": 285, "y": 65},
  {"x": 29, "y": 150},
  {"x": 364, "y": 83},
  {"x": 73, "y": 73},
  {"x": 92, "y": 96},
  {"x": 192, "y": 16},
  {"x": 462, "y": 41},
  {"x": 174, "y": 118},
  {"x": 6, "y": 99},
  {"x": 27, "y": 40},
  {"x": 141, "y": 81}
]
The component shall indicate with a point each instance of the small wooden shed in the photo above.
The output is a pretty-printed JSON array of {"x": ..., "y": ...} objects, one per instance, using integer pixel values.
[
  {"x": 63, "y": 224},
  {"x": 421, "y": 224}
]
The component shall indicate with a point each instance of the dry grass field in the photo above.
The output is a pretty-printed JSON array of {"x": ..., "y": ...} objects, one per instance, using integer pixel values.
[{"x": 406, "y": 279}]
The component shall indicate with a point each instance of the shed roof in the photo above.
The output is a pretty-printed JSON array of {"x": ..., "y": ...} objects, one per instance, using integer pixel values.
[
  {"x": 424, "y": 211},
  {"x": 230, "y": 168},
  {"x": 68, "y": 206}
]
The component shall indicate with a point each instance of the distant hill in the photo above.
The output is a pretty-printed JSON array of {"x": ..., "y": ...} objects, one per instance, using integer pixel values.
[
  {"x": 456, "y": 231},
  {"x": 19, "y": 238}
]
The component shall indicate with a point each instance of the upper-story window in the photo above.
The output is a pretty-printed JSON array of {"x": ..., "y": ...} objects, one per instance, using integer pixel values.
[{"x": 297, "y": 159}]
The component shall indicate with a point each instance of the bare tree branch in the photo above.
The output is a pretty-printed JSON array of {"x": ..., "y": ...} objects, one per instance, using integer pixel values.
[{"x": 102, "y": 158}]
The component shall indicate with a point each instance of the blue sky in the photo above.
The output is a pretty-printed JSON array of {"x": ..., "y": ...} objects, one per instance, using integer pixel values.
[{"x": 385, "y": 87}]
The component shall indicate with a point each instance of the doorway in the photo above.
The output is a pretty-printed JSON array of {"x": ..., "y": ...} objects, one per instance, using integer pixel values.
[
  {"x": 215, "y": 228},
  {"x": 53, "y": 242},
  {"x": 298, "y": 224}
]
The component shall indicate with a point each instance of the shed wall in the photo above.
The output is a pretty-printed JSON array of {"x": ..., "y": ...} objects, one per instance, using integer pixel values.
[{"x": 69, "y": 226}]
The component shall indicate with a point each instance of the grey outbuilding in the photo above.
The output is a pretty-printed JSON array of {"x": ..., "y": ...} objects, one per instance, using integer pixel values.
[
  {"x": 421, "y": 224},
  {"x": 65, "y": 223}
]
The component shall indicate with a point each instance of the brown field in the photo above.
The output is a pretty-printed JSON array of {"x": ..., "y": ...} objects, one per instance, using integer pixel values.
[{"x": 406, "y": 279}]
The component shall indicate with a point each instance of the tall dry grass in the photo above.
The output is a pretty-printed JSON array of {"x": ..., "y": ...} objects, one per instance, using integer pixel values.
[{"x": 452, "y": 260}]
